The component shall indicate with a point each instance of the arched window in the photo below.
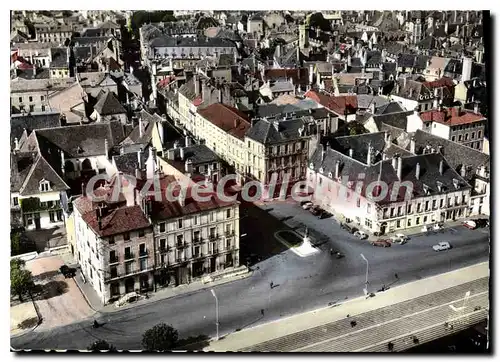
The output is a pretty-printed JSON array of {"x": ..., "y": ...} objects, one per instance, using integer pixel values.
[{"x": 86, "y": 165}]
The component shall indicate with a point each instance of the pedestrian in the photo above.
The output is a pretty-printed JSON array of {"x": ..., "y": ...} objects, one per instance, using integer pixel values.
[
  {"x": 262, "y": 312},
  {"x": 396, "y": 276}
]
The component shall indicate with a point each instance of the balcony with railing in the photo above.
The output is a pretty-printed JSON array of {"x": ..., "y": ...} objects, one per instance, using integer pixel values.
[
  {"x": 229, "y": 233},
  {"x": 213, "y": 236},
  {"x": 110, "y": 276},
  {"x": 113, "y": 259},
  {"x": 143, "y": 253},
  {"x": 129, "y": 256}
]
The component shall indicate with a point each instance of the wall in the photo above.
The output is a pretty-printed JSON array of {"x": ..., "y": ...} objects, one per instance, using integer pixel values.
[{"x": 440, "y": 130}]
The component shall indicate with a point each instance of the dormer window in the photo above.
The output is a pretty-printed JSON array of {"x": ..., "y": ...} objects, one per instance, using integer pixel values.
[
  {"x": 456, "y": 183},
  {"x": 44, "y": 185},
  {"x": 426, "y": 190},
  {"x": 79, "y": 149},
  {"x": 439, "y": 186},
  {"x": 330, "y": 175},
  {"x": 321, "y": 170},
  {"x": 311, "y": 166}
]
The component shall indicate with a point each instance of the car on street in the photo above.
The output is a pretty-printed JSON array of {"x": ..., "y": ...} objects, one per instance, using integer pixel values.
[
  {"x": 350, "y": 229},
  {"x": 481, "y": 223},
  {"x": 306, "y": 205},
  {"x": 399, "y": 239},
  {"x": 437, "y": 226},
  {"x": 324, "y": 215},
  {"x": 360, "y": 235},
  {"x": 381, "y": 242},
  {"x": 315, "y": 210},
  {"x": 443, "y": 245},
  {"x": 469, "y": 224}
]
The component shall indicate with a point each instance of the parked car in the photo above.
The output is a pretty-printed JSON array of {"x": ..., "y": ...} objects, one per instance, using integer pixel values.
[
  {"x": 481, "y": 223},
  {"x": 399, "y": 239},
  {"x": 67, "y": 271},
  {"x": 324, "y": 215},
  {"x": 315, "y": 210},
  {"x": 348, "y": 228},
  {"x": 437, "y": 226},
  {"x": 381, "y": 242},
  {"x": 443, "y": 245},
  {"x": 469, "y": 224},
  {"x": 306, "y": 205},
  {"x": 360, "y": 235}
]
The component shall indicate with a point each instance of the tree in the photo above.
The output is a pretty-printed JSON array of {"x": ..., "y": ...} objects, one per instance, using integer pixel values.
[
  {"x": 15, "y": 243},
  {"x": 101, "y": 345},
  {"x": 21, "y": 280},
  {"x": 162, "y": 337}
]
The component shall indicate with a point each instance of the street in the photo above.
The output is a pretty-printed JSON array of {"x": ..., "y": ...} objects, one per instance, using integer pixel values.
[{"x": 300, "y": 284}]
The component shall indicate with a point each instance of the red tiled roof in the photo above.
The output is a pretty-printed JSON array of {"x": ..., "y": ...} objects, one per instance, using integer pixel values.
[
  {"x": 299, "y": 75},
  {"x": 229, "y": 119},
  {"x": 439, "y": 83},
  {"x": 338, "y": 105},
  {"x": 118, "y": 221},
  {"x": 451, "y": 116},
  {"x": 197, "y": 101}
]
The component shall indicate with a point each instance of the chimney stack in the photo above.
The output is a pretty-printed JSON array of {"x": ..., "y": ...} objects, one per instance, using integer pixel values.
[
  {"x": 141, "y": 132},
  {"x": 476, "y": 108},
  {"x": 16, "y": 145},
  {"x": 441, "y": 167},
  {"x": 337, "y": 169},
  {"x": 462, "y": 171},
  {"x": 412, "y": 145},
  {"x": 394, "y": 162},
  {"x": 417, "y": 171},
  {"x": 351, "y": 152},
  {"x": 400, "y": 167},
  {"x": 84, "y": 194},
  {"x": 187, "y": 141},
  {"x": 182, "y": 153},
  {"x": 171, "y": 154},
  {"x": 140, "y": 159},
  {"x": 369, "y": 155},
  {"x": 106, "y": 147},
  {"x": 196, "y": 85}
]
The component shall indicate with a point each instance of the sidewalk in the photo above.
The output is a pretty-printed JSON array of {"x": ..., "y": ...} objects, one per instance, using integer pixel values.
[
  {"x": 166, "y": 293},
  {"x": 302, "y": 322}
]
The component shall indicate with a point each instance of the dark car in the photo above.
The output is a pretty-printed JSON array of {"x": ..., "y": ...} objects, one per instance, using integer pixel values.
[
  {"x": 348, "y": 228},
  {"x": 315, "y": 210},
  {"x": 481, "y": 223},
  {"x": 382, "y": 243},
  {"x": 324, "y": 215},
  {"x": 67, "y": 271}
]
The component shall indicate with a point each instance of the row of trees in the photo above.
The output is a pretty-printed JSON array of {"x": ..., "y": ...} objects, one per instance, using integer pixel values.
[{"x": 161, "y": 338}]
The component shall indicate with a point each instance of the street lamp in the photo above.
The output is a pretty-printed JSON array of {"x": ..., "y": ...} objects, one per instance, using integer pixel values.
[
  {"x": 366, "y": 281},
  {"x": 216, "y": 313}
]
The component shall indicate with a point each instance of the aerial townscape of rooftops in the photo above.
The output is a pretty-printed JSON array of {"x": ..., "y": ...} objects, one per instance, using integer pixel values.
[{"x": 375, "y": 120}]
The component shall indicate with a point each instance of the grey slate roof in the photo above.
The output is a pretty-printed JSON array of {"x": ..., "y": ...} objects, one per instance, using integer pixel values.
[
  {"x": 198, "y": 154},
  {"x": 81, "y": 141},
  {"x": 59, "y": 58},
  {"x": 270, "y": 132},
  {"x": 399, "y": 120},
  {"x": 456, "y": 154},
  {"x": 108, "y": 104},
  {"x": 392, "y": 107},
  {"x": 128, "y": 162},
  {"x": 30, "y": 122},
  {"x": 179, "y": 42},
  {"x": 383, "y": 171},
  {"x": 20, "y": 165},
  {"x": 41, "y": 170}
]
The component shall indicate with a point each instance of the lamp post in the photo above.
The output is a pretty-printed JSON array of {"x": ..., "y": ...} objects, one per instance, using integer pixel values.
[
  {"x": 366, "y": 281},
  {"x": 216, "y": 314}
]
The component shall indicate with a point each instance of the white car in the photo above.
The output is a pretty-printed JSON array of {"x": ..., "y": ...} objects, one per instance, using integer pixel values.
[
  {"x": 426, "y": 228},
  {"x": 307, "y": 205},
  {"x": 399, "y": 239},
  {"x": 443, "y": 245},
  {"x": 360, "y": 235},
  {"x": 437, "y": 226}
]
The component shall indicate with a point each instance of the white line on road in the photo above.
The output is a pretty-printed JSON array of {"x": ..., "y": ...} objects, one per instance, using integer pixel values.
[{"x": 386, "y": 322}]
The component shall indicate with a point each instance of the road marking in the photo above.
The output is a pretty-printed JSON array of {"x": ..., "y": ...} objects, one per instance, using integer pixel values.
[
  {"x": 417, "y": 331},
  {"x": 386, "y": 322}
]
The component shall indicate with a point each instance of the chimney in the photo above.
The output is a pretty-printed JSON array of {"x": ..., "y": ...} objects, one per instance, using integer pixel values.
[
  {"x": 187, "y": 141},
  {"x": 441, "y": 167},
  {"x": 140, "y": 159},
  {"x": 435, "y": 103},
  {"x": 196, "y": 85},
  {"x": 62, "y": 159},
  {"x": 171, "y": 154},
  {"x": 417, "y": 171},
  {"x": 400, "y": 167},
  {"x": 188, "y": 166},
  {"x": 337, "y": 169},
  {"x": 182, "y": 153},
  {"x": 323, "y": 153},
  {"x": 141, "y": 132},
  {"x": 311, "y": 74},
  {"x": 84, "y": 194},
  {"x": 412, "y": 145},
  {"x": 446, "y": 27},
  {"x": 369, "y": 155},
  {"x": 476, "y": 107},
  {"x": 462, "y": 171},
  {"x": 395, "y": 162},
  {"x": 106, "y": 147},
  {"x": 16, "y": 145},
  {"x": 351, "y": 152}
]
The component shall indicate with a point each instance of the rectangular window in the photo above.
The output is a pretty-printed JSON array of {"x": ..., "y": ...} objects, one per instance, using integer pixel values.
[
  {"x": 112, "y": 256},
  {"x": 180, "y": 238},
  {"x": 392, "y": 212},
  {"x": 163, "y": 244},
  {"x": 113, "y": 272},
  {"x": 398, "y": 223},
  {"x": 228, "y": 213},
  {"x": 212, "y": 233},
  {"x": 195, "y": 220},
  {"x": 111, "y": 240},
  {"x": 409, "y": 209},
  {"x": 31, "y": 99},
  {"x": 128, "y": 253},
  {"x": 129, "y": 267},
  {"x": 42, "y": 98},
  {"x": 433, "y": 204},
  {"x": 43, "y": 108},
  {"x": 212, "y": 216},
  {"x": 473, "y": 135},
  {"x": 32, "y": 108},
  {"x": 459, "y": 137},
  {"x": 126, "y": 236},
  {"x": 425, "y": 219},
  {"x": 409, "y": 222},
  {"x": 417, "y": 221},
  {"x": 441, "y": 202},
  {"x": 466, "y": 136},
  {"x": 142, "y": 249},
  {"x": 143, "y": 264},
  {"x": 196, "y": 251},
  {"x": 179, "y": 223},
  {"x": 15, "y": 201},
  {"x": 400, "y": 210},
  {"x": 162, "y": 227},
  {"x": 52, "y": 216},
  {"x": 453, "y": 138},
  {"x": 20, "y": 99},
  {"x": 426, "y": 205},
  {"x": 141, "y": 233}
]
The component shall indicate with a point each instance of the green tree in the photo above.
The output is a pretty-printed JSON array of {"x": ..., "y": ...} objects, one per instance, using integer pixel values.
[
  {"x": 101, "y": 345},
  {"x": 15, "y": 243},
  {"x": 162, "y": 337},
  {"x": 21, "y": 280}
]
